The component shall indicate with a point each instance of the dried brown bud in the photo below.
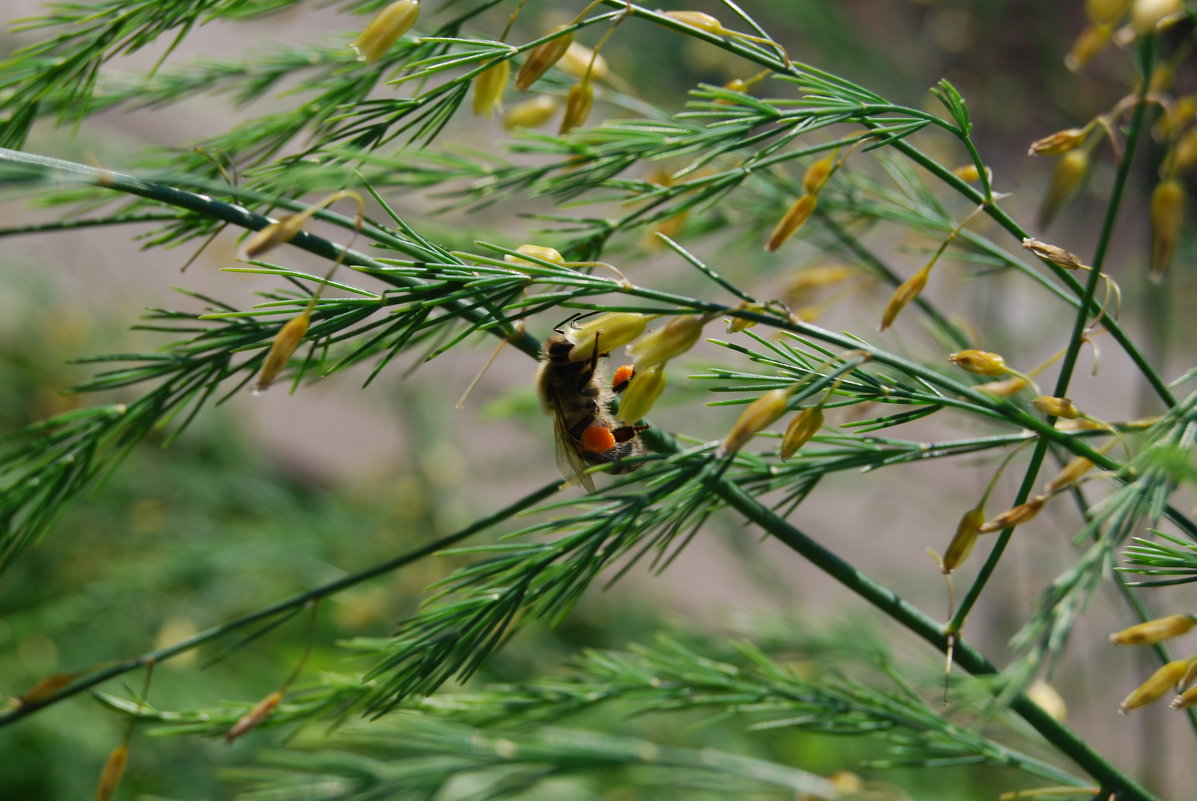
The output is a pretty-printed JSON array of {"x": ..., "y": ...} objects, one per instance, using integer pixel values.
[
  {"x": 1016, "y": 516},
  {"x": 1153, "y": 631},
  {"x": 1056, "y": 255},
  {"x": 250, "y": 720},
  {"x": 112, "y": 772},
  {"x": 285, "y": 343},
  {"x": 541, "y": 58},
  {"x": 794, "y": 218},
  {"x": 800, "y": 430},
  {"x": 45, "y": 688},
  {"x": 1058, "y": 143}
]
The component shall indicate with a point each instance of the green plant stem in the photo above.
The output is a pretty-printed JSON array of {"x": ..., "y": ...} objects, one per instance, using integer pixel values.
[
  {"x": 1074, "y": 346},
  {"x": 294, "y": 602}
]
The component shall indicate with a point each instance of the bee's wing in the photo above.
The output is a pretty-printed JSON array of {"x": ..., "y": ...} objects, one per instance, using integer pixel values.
[{"x": 569, "y": 462}]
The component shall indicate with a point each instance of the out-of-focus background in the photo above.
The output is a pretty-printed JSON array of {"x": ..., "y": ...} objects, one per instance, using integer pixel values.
[{"x": 267, "y": 496}]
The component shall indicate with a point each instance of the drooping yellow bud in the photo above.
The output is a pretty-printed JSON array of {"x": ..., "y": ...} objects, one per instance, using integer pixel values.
[
  {"x": 250, "y": 720},
  {"x": 1048, "y": 699},
  {"x": 1091, "y": 41},
  {"x": 1069, "y": 474},
  {"x": 1005, "y": 388},
  {"x": 906, "y": 292},
  {"x": 970, "y": 173},
  {"x": 1051, "y": 253},
  {"x": 963, "y": 540},
  {"x": 1184, "y": 157},
  {"x": 273, "y": 235},
  {"x": 613, "y": 330},
  {"x": 980, "y": 362},
  {"x": 794, "y": 218},
  {"x": 489, "y": 87},
  {"x": 576, "y": 62},
  {"x": 1016, "y": 516},
  {"x": 45, "y": 688},
  {"x": 1160, "y": 682},
  {"x": 541, "y": 58},
  {"x": 112, "y": 772},
  {"x": 285, "y": 343},
  {"x": 1153, "y": 631},
  {"x": 1105, "y": 12},
  {"x": 1056, "y": 407},
  {"x": 1067, "y": 177},
  {"x": 385, "y": 29},
  {"x": 810, "y": 279},
  {"x": 1167, "y": 214},
  {"x": 577, "y": 106},
  {"x": 698, "y": 19},
  {"x": 542, "y": 252},
  {"x": 817, "y": 174},
  {"x": 667, "y": 342},
  {"x": 530, "y": 113},
  {"x": 642, "y": 393},
  {"x": 1058, "y": 143},
  {"x": 800, "y": 430},
  {"x": 1185, "y": 700},
  {"x": 759, "y": 415},
  {"x": 1148, "y": 15}
]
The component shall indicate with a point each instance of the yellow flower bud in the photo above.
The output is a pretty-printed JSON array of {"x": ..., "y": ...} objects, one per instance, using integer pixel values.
[
  {"x": 642, "y": 393},
  {"x": 1153, "y": 631},
  {"x": 541, "y": 58},
  {"x": 906, "y": 292},
  {"x": 576, "y": 62},
  {"x": 1058, "y": 143},
  {"x": 1167, "y": 214},
  {"x": 45, "y": 688},
  {"x": 530, "y": 113},
  {"x": 285, "y": 343},
  {"x": 963, "y": 540},
  {"x": 1048, "y": 699},
  {"x": 1185, "y": 156},
  {"x": 1005, "y": 388},
  {"x": 980, "y": 362},
  {"x": 970, "y": 173},
  {"x": 1069, "y": 474},
  {"x": 800, "y": 430},
  {"x": 613, "y": 330},
  {"x": 1066, "y": 179},
  {"x": 542, "y": 252},
  {"x": 1185, "y": 700},
  {"x": 273, "y": 235},
  {"x": 1051, "y": 253},
  {"x": 1102, "y": 12},
  {"x": 250, "y": 720},
  {"x": 1092, "y": 40},
  {"x": 385, "y": 29},
  {"x": 697, "y": 19},
  {"x": 1148, "y": 15},
  {"x": 802, "y": 286},
  {"x": 759, "y": 415},
  {"x": 1016, "y": 516},
  {"x": 489, "y": 87},
  {"x": 794, "y": 218},
  {"x": 1160, "y": 682},
  {"x": 577, "y": 106},
  {"x": 817, "y": 174},
  {"x": 1176, "y": 117},
  {"x": 112, "y": 772},
  {"x": 667, "y": 342},
  {"x": 1056, "y": 407}
]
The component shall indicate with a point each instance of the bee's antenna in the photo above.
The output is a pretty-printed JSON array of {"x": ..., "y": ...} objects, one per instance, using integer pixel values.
[{"x": 557, "y": 328}]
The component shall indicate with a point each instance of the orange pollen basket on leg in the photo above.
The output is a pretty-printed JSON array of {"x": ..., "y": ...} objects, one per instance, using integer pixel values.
[
  {"x": 622, "y": 377},
  {"x": 598, "y": 439}
]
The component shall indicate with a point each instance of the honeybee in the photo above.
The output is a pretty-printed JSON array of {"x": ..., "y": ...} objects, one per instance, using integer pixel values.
[{"x": 575, "y": 394}]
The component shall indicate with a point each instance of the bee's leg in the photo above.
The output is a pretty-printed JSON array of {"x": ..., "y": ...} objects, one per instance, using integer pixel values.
[{"x": 625, "y": 433}]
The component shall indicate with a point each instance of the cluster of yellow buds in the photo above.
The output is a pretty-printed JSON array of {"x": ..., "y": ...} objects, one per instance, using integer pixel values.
[
  {"x": 1142, "y": 17},
  {"x": 801, "y": 209},
  {"x": 1179, "y": 673}
]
